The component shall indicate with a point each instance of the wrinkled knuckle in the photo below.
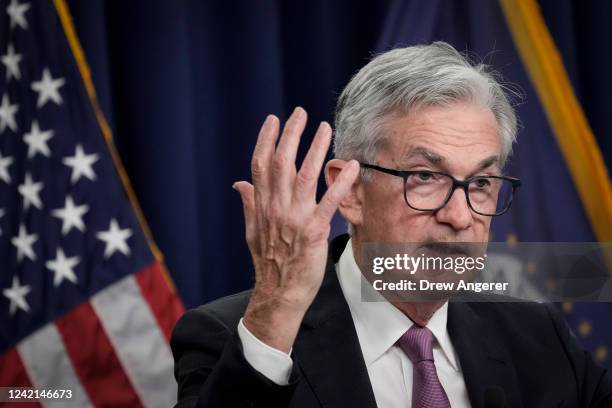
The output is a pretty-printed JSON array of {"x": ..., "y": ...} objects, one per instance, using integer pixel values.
[
  {"x": 306, "y": 177},
  {"x": 257, "y": 167},
  {"x": 279, "y": 163}
]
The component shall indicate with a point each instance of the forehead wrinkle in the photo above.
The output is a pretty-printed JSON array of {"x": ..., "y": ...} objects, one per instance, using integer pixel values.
[
  {"x": 457, "y": 132},
  {"x": 436, "y": 158},
  {"x": 449, "y": 136},
  {"x": 410, "y": 136}
]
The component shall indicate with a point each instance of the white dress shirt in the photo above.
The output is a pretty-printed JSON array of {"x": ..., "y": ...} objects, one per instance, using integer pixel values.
[{"x": 379, "y": 325}]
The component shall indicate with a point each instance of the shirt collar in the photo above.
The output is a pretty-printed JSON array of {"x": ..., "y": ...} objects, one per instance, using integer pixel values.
[{"x": 379, "y": 324}]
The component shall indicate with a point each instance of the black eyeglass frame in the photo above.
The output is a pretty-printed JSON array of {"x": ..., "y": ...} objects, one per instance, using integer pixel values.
[{"x": 463, "y": 184}]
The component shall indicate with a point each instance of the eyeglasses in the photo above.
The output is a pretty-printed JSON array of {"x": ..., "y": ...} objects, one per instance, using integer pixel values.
[{"x": 430, "y": 190}]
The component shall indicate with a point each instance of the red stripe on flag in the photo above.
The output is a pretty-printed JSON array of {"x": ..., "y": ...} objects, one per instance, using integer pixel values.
[
  {"x": 13, "y": 374},
  {"x": 163, "y": 300},
  {"x": 94, "y": 359}
]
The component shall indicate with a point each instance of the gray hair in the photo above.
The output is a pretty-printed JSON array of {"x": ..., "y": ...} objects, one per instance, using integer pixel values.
[{"x": 404, "y": 80}]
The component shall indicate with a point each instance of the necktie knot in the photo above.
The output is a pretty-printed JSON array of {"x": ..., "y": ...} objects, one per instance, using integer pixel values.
[{"x": 417, "y": 343}]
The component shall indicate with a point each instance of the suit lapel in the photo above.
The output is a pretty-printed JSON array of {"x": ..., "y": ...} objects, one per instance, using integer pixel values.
[
  {"x": 484, "y": 361},
  {"x": 330, "y": 358},
  {"x": 327, "y": 348}
]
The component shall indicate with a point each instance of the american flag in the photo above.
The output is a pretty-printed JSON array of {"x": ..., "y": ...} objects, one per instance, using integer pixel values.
[{"x": 85, "y": 303}]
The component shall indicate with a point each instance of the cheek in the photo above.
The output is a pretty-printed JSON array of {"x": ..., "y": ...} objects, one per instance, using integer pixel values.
[
  {"x": 391, "y": 220},
  {"x": 383, "y": 207},
  {"x": 412, "y": 225},
  {"x": 481, "y": 229}
]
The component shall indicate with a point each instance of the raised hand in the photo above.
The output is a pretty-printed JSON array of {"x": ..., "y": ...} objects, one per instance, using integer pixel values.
[{"x": 286, "y": 229}]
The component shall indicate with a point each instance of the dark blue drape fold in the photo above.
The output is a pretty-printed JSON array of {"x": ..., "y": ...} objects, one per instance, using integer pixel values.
[{"x": 186, "y": 86}]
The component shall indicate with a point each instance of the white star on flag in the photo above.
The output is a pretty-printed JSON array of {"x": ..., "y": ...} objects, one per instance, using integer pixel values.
[
  {"x": 71, "y": 216},
  {"x": 37, "y": 141},
  {"x": 62, "y": 267},
  {"x": 11, "y": 62},
  {"x": 5, "y": 162},
  {"x": 48, "y": 89},
  {"x": 115, "y": 239},
  {"x": 81, "y": 164},
  {"x": 7, "y": 114},
  {"x": 23, "y": 242},
  {"x": 16, "y": 12},
  {"x": 16, "y": 294},
  {"x": 30, "y": 192}
]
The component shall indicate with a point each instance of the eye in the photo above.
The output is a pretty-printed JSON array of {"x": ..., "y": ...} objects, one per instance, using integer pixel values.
[
  {"x": 424, "y": 176},
  {"x": 482, "y": 182}
]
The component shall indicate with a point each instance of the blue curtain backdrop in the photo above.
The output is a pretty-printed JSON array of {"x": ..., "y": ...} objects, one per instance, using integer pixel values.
[{"x": 186, "y": 84}]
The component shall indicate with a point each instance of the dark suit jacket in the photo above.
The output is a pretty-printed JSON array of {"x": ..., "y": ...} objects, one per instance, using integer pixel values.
[{"x": 524, "y": 349}]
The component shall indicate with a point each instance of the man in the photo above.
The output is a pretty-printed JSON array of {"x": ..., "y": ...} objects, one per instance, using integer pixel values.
[{"x": 303, "y": 337}]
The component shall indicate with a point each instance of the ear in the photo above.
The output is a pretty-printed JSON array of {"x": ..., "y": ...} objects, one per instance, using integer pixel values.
[{"x": 351, "y": 206}]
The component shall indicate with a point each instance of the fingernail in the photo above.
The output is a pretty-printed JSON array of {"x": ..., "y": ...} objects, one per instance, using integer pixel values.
[
  {"x": 268, "y": 120},
  {"x": 299, "y": 111},
  {"x": 234, "y": 186}
]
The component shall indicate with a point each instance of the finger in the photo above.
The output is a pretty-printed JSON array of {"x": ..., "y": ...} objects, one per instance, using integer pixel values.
[
  {"x": 261, "y": 173},
  {"x": 262, "y": 155},
  {"x": 289, "y": 141},
  {"x": 284, "y": 159},
  {"x": 337, "y": 191},
  {"x": 247, "y": 195},
  {"x": 308, "y": 176}
]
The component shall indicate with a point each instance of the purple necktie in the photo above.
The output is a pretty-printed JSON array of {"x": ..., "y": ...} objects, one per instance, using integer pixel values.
[{"x": 427, "y": 392}]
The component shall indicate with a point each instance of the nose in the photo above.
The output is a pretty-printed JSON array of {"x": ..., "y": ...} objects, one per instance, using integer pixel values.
[{"x": 456, "y": 213}]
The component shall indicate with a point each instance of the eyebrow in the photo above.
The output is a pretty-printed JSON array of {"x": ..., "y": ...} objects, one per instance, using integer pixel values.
[
  {"x": 428, "y": 155},
  {"x": 435, "y": 158},
  {"x": 488, "y": 162}
]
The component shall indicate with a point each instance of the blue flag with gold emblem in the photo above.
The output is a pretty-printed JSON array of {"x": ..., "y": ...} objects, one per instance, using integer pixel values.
[{"x": 565, "y": 194}]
